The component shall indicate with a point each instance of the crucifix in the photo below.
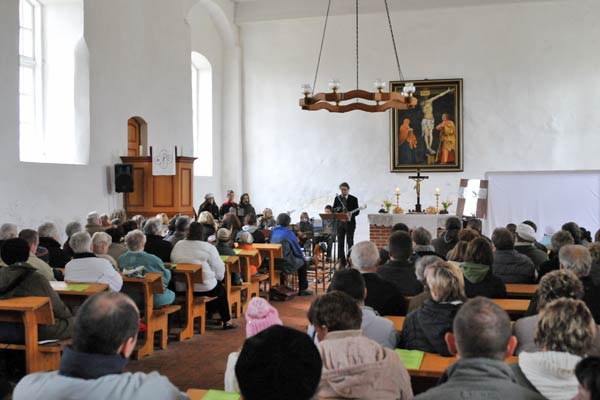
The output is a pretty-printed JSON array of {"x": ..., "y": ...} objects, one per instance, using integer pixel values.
[{"x": 418, "y": 178}]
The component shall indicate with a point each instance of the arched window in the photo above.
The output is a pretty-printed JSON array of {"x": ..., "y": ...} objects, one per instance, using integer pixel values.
[
  {"x": 53, "y": 83},
  {"x": 202, "y": 114}
]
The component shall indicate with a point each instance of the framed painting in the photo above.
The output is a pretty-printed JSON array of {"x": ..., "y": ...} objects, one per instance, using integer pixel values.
[{"x": 428, "y": 137}]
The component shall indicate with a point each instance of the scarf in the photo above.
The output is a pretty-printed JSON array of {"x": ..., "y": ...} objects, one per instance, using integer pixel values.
[
  {"x": 551, "y": 372},
  {"x": 75, "y": 364}
]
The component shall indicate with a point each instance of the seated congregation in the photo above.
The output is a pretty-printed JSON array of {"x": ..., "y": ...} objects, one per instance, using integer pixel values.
[{"x": 447, "y": 292}]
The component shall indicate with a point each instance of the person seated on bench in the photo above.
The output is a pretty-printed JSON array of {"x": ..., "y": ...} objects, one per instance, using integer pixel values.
[
  {"x": 482, "y": 340},
  {"x": 106, "y": 330},
  {"x": 20, "y": 279},
  {"x": 354, "y": 366},
  {"x": 245, "y": 243},
  {"x": 86, "y": 267},
  {"x": 194, "y": 250},
  {"x": 136, "y": 256},
  {"x": 293, "y": 256},
  {"x": 278, "y": 363}
]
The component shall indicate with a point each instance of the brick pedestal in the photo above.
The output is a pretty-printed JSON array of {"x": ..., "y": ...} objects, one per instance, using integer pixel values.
[{"x": 379, "y": 234}]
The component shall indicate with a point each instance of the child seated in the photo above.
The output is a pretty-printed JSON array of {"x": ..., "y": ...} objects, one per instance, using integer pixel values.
[{"x": 245, "y": 243}]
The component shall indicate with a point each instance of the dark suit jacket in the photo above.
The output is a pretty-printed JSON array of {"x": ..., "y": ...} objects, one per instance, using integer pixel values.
[
  {"x": 351, "y": 204},
  {"x": 159, "y": 247},
  {"x": 383, "y": 296},
  {"x": 402, "y": 274}
]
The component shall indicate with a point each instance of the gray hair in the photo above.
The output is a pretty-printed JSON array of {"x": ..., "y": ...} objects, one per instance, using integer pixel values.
[
  {"x": 422, "y": 263},
  {"x": 73, "y": 227},
  {"x": 560, "y": 239},
  {"x": 421, "y": 236},
  {"x": 8, "y": 231},
  {"x": 364, "y": 255},
  {"x": 182, "y": 223},
  {"x": 81, "y": 242},
  {"x": 246, "y": 238},
  {"x": 575, "y": 258},
  {"x": 48, "y": 230},
  {"x": 93, "y": 217},
  {"x": 101, "y": 238},
  {"x": 153, "y": 226},
  {"x": 135, "y": 240}
]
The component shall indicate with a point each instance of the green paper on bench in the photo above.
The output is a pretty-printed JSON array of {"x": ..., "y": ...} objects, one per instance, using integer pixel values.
[
  {"x": 220, "y": 395},
  {"x": 237, "y": 251},
  {"x": 411, "y": 359},
  {"x": 77, "y": 288},
  {"x": 224, "y": 258}
]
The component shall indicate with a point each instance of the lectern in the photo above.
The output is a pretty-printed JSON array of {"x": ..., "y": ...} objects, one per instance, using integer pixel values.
[{"x": 151, "y": 195}]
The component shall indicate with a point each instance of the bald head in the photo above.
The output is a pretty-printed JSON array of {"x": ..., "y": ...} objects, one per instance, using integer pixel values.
[
  {"x": 575, "y": 258},
  {"x": 104, "y": 323}
]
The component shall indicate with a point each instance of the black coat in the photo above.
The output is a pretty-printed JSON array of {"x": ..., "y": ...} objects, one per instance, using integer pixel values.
[
  {"x": 384, "y": 297},
  {"x": 211, "y": 208},
  {"x": 58, "y": 258},
  {"x": 351, "y": 205},
  {"x": 402, "y": 274},
  {"x": 159, "y": 247},
  {"x": 425, "y": 328},
  {"x": 513, "y": 267}
]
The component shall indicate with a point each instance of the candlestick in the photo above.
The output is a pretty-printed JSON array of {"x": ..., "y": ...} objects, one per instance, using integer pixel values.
[
  {"x": 437, "y": 190},
  {"x": 397, "y": 190},
  {"x": 437, "y": 200}
]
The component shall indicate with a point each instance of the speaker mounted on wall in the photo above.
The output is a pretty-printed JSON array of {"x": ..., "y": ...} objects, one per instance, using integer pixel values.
[{"x": 124, "y": 178}]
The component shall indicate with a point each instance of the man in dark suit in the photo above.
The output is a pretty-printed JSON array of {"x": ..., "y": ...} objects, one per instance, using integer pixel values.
[{"x": 345, "y": 202}]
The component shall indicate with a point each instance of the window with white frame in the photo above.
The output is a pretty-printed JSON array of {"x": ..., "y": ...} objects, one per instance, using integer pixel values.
[
  {"x": 30, "y": 80},
  {"x": 202, "y": 114}
]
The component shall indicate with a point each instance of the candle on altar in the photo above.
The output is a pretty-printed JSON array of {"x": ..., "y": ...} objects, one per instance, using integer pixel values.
[
  {"x": 437, "y": 190},
  {"x": 397, "y": 190}
]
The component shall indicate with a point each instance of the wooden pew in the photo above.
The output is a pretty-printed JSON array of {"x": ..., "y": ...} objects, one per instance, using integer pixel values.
[
  {"x": 31, "y": 312},
  {"x": 195, "y": 306},
  {"x": 198, "y": 394},
  {"x": 156, "y": 319},
  {"x": 247, "y": 258},
  {"x": 272, "y": 251},
  {"x": 514, "y": 307},
  {"x": 434, "y": 365},
  {"x": 398, "y": 321},
  {"x": 234, "y": 293},
  {"x": 75, "y": 298},
  {"x": 520, "y": 290}
]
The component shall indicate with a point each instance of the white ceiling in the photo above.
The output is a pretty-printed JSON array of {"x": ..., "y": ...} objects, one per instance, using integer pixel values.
[{"x": 264, "y": 10}]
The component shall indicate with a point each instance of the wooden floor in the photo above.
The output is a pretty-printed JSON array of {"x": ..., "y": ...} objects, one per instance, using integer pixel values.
[{"x": 200, "y": 362}]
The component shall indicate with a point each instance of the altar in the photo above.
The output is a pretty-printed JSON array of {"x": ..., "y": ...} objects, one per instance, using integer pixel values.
[{"x": 380, "y": 225}]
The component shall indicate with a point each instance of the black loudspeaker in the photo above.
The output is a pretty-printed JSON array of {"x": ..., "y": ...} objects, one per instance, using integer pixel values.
[{"x": 123, "y": 178}]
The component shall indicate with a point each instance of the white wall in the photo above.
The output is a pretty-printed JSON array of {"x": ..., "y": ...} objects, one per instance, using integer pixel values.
[
  {"x": 205, "y": 39},
  {"x": 530, "y": 98},
  {"x": 139, "y": 66}
]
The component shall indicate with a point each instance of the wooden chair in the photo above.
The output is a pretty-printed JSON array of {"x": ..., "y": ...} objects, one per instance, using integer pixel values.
[
  {"x": 254, "y": 281},
  {"x": 320, "y": 269},
  {"x": 31, "y": 312},
  {"x": 156, "y": 319},
  {"x": 194, "y": 306}
]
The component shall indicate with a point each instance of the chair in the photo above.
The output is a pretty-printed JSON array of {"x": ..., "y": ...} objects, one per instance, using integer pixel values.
[{"x": 321, "y": 269}]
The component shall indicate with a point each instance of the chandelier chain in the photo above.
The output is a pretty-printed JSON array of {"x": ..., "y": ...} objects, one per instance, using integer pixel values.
[
  {"x": 387, "y": 10},
  {"x": 356, "y": 46},
  {"x": 321, "y": 49}
]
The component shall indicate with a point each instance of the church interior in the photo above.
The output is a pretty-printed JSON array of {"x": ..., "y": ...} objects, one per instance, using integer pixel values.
[{"x": 215, "y": 92}]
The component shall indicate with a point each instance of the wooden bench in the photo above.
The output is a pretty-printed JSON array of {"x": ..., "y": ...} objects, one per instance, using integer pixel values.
[
  {"x": 514, "y": 307},
  {"x": 434, "y": 365},
  {"x": 398, "y": 322},
  {"x": 234, "y": 293},
  {"x": 248, "y": 258},
  {"x": 198, "y": 394},
  {"x": 156, "y": 319},
  {"x": 272, "y": 251},
  {"x": 31, "y": 312},
  {"x": 75, "y": 298},
  {"x": 520, "y": 290},
  {"x": 194, "y": 306}
]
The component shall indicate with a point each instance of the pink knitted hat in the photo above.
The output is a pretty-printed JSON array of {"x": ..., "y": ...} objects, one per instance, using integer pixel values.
[{"x": 260, "y": 315}]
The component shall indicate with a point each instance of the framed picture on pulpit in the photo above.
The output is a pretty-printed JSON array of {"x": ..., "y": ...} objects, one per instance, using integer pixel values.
[{"x": 428, "y": 137}]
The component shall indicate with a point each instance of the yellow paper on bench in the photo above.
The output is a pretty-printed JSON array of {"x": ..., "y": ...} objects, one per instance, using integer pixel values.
[
  {"x": 411, "y": 359},
  {"x": 77, "y": 287},
  {"x": 220, "y": 395},
  {"x": 237, "y": 251},
  {"x": 224, "y": 258}
]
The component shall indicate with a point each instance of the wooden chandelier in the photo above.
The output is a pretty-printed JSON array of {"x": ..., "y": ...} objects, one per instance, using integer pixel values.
[{"x": 383, "y": 101}]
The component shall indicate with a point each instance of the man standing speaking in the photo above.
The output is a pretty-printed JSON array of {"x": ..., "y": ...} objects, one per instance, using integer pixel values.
[{"x": 345, "y": 202}]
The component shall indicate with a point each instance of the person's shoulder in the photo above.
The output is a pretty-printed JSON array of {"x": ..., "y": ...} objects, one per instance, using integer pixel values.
[
  {"x": 140, "y": 385},
  {"x": 33, "y": 384}
]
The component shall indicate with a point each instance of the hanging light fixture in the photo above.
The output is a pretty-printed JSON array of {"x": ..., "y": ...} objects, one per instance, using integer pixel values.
[{"x": 334, "y": 101}]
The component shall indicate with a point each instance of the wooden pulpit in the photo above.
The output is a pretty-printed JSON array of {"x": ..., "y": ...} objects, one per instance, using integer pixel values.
[{"x": 151, "y": 195}]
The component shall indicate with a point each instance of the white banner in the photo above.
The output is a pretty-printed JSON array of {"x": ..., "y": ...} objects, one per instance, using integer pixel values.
[{"x": 163, "y": 161}]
